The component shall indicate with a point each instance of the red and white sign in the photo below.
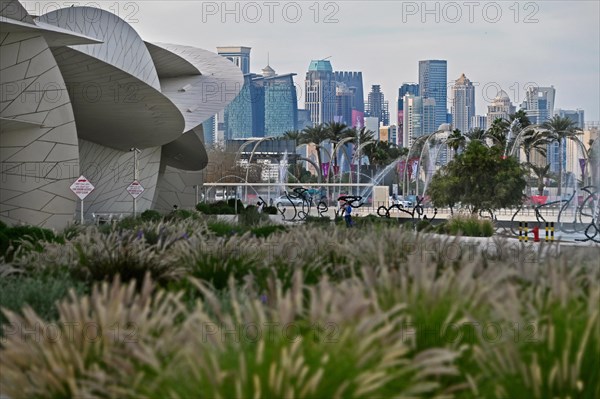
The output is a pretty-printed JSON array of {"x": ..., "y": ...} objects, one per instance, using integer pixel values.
[
  {"x": 135, "y": 189},
  {"x": 82, "y": 187}
]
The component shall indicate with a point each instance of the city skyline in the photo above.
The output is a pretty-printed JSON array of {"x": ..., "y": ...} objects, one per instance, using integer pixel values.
[{"x": 502, "y": 55}]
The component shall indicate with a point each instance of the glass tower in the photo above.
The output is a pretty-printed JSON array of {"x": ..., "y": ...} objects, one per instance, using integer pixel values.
[{"x": 433, "y": 78}]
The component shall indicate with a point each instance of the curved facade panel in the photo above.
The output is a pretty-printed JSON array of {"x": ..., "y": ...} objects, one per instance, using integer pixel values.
[
  {"x": 121, "y": 45},
  {"x": 79, "y": 87},
  {"x": 114, "y": 108},
  {"x": 187, "y": 152},
  {"x": 199, "y": 97},
  {"x": 38, "y": 138}
]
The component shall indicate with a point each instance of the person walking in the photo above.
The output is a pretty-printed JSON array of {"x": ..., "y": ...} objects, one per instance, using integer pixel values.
[{"x": 348, "y": 215}]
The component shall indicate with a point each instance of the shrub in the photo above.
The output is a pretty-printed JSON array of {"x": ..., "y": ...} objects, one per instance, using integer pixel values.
[
  {"x": 222, "y": 228},
  {"x": 17, "y": 235},
  {"x": 150, "y": 215},
  {"x": 318, "y": 219},
  {"x": 265, "y": 231},
  {"x": 424, "y": 225},
  {"x": 270, "y": 210},
  {"x": 38, "y": 292},
  {"x": 470, "y": 227},
  {"x": 250, "y": 217},
  {"x": 231, "y": 203},
  {"x": 203, "y": 207},
  {"x": 181, "y": 214}
]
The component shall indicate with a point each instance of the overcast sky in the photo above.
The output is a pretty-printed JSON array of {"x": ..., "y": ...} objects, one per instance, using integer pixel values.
[{"x": 503, "y": 44}]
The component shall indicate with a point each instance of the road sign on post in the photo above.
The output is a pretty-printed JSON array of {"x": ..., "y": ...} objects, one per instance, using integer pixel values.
[
  {"x": 82, "y": 188},
  {"x": 135, "y": 189}
]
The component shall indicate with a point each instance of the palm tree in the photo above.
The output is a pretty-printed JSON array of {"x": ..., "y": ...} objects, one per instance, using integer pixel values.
[
  {"x": 315, "y": 135},
  {"x": 541, "y": 172},
  {"x": 534, "y": 140},
  {"x": 521, "y": 116},
  {"x": 456, "y": 140},
  {"x": 360, "y": 136},
  {"x": 336, "y": 132},
  {"x": 558, "y": 130},
  {"x": 498, "y": 132},
  {"x": 295, "y": 135},
  {"x": 476, "y": 134}
]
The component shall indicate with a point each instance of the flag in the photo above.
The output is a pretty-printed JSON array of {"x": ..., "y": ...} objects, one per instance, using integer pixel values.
[
  {"x": 415, "y": 169},
  {"x": 325, "y": 169},
  {"x": 582, "y": 165}
]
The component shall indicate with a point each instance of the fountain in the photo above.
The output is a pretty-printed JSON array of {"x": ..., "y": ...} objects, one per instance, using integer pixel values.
[
  {"x": 379, "y": 176},
  {"x": 283, "y": 172},
  {"x": 431, "y": 163}
]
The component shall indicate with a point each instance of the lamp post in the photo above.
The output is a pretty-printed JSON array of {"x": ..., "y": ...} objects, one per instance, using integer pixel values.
[{"x": 135, "y": 176}]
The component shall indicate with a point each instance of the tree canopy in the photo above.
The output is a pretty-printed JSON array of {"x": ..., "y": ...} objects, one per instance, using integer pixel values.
[{"x": 479, "y": 178}]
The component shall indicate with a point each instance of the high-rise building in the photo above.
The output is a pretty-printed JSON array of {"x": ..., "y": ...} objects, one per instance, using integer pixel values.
[
  {"x": 371, "y": 123},
  {"x": 419, "y": 118},
  {"x": 303, "y": 119},
  {"x": 354, "y": 82},
  {"x": 479, "y": 121},
  {"x": 539, "y": 104},
  {"x": 377, "y": 106},
  {"x": 245, "y": 116},
  {"x": 406, "y": 88},
  {"x": 209, "y": 129},
  {"x": 389, "y": 134},
  {"x": 501, "y": 108},
  {"x": 576, "y": 116},
  {"x": 343, "y": 107},
  {"x": 413, "y": 119},
  {"x": 281, "y": 103},
  {"x": 239, "y": 55},
  {"x": 267, "y": 106},
  {"x": 433, "y": 78},
  {"x": 319, "y": 90},
  {"x": 463, "y": 104}
]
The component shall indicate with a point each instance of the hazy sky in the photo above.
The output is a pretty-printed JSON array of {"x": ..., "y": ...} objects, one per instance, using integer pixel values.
[{"x": 502, "y": 44}]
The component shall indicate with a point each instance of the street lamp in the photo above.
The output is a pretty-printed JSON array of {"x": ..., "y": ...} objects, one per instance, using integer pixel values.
[{"x": 135, "y": 176}]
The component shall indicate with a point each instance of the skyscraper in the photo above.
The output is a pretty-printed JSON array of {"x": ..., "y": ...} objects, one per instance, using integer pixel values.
[
  {"x": 576, "y": 116},
  {"x": 281, "y": 103},
  {"x": 479, "y": 121},
  {"x": 463, "y": 104},
  {"x": 239, "y": 55},
  {"x": 354, "y": 83},
  {"x": 539, "y": 103},
  {"x": 419, "y": 118},
  {"x": 406, "y": 88},
  {"x": 320, "y": 92},
  {"x": 501, "y": 108},
  {"x": 377, "y": 106},
  {"x": 343, "y": 106},
  {"x": 266, "y": 106},
  {"x": 245, "y": 116},
  {"x": 433, "y": 84}
]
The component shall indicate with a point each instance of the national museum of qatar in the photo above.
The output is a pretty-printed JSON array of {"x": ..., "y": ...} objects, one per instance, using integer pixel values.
[{"x": 80, "y": 91}]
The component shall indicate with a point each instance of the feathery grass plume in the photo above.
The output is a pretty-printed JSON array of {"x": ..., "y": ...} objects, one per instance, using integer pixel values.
[
  {"x": 554, "y": 350},
  {"x": 95, "y": 256},
  {"x": 102, "y": 346},
  {"x": 338, "y": 343}
]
